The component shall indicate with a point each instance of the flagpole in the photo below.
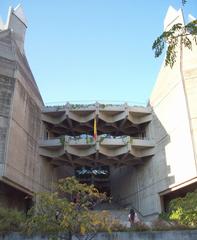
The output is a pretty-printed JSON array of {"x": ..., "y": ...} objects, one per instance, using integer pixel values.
[{"x": 95, "y": 129}]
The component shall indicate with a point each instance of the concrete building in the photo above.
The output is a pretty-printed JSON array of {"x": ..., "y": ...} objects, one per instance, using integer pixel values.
[
  {"x": 142, "y": 156},
  {"x": 22, "y": 169}
]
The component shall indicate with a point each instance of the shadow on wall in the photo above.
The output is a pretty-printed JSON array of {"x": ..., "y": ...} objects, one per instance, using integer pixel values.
[
  {"x": 21, "y": 200},
  {"x": 139, "y": 185}
]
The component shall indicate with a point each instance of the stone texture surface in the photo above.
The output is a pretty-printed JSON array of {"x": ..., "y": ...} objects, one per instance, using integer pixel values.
[
  {"x": 21, "y": 127},
  {"x": 6, "y": 94},
  {"x": 175, "y": 235}
]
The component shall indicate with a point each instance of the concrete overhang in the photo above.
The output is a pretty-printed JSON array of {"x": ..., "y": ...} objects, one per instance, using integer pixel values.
[
  {"x": 116, "y": 117},
  {"x": 50, "y": 143},
  {"x": 142, "y": 143},
  {"x": 114, "y": 149}
]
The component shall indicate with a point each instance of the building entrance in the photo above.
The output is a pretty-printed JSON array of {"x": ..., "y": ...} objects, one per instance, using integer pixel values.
[{"x": 98, "y": 176}]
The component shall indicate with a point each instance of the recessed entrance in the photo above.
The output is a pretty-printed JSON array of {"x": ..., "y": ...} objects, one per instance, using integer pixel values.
[{"x": 98, "y": 176}]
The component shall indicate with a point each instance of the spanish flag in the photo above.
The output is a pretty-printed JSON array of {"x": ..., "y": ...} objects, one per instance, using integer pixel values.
[{"x": 95, "y": 130}]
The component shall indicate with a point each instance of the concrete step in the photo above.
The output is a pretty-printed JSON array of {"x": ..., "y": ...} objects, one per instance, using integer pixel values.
[{"x": 121, "y": 214}]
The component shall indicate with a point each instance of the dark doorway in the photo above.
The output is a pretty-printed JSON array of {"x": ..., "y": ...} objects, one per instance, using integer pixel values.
[
  {"x": 98, "y": 176},
  {"x": 11, "y": 197}
]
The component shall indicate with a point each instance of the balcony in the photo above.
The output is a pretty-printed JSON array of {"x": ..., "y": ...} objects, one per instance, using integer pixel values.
[
  {"x": 106, "y": 150},
  {"x": 116, "y": 120}
]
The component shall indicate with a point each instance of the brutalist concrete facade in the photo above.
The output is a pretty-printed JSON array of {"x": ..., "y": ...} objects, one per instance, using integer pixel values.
[
  {"x": 150, "y": 151},
  {"x": 171, "y": 172},
  {"x": 21, "y": 166}
]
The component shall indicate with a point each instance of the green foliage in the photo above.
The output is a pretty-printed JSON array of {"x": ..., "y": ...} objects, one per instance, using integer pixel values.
[
  {"x": 68, "y": 210},
  {"x": 11, "y": 220},
  {"x": 160, "y": 225},
  {"x": 42, "y": 217},
  {"x": 62, "y": 140},
  {"x": 184, "y": 2},
  {"x": 164, "y": 216},
  {"x": 115, "y": 226},
  {"x": 178, "y": 34},
  {"x": 163, "y": 225},
  {"x": 184, "y": 210}
]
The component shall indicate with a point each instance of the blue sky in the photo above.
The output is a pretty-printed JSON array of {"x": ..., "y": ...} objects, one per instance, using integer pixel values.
[{"x": 81, "y": 50}]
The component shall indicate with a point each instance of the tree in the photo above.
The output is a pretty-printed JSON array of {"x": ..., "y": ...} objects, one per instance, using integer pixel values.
[
  {"x": 68, "y": 210},
  {"x": 178, "y": 34}
]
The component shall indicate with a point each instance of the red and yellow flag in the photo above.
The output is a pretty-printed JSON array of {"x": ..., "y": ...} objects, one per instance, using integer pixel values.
[{"x": 95, "y": 130}]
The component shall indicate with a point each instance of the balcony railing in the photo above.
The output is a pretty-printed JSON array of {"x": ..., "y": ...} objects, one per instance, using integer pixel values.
[
  {"x": 102, "y": 140},
  {"x": 84, "y": 150}
]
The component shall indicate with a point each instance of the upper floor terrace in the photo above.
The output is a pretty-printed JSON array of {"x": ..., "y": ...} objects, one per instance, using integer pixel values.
[
  {"x": 76, "y": 119},
  {"x": 105, "y": 150}
]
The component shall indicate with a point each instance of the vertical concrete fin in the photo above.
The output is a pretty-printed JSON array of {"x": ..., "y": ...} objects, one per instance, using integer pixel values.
[
  {"x": 19, "y": 12},
  {"x": 173, "y": 17},
  {"x": 17, "y": 23}
]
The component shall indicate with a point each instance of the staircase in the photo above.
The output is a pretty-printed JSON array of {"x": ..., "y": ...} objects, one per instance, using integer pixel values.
[{"x": 121, "y": 214}]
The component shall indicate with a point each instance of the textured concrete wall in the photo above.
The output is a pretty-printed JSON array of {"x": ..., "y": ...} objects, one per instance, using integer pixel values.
[
  {"x": 7, "y": 68},
  {"x": 6, "y": 93},
  {"x": 25, "y": 127},
  {"x": 135, "y": 186},
  {"x": 20, "y": 122},
  {"x": 190, "y": 77},
  {"x": 124, "y": 186},
  {"x": 24, "y": 166},
  {"x": 175, "y": 235},
  {"x": 174, "y": 162}
]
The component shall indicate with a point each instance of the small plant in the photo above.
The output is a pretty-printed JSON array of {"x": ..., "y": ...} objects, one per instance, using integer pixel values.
[
  {"x": 89, "y": 140},
  {"x": 116, "y": 226},
  {"x": 62, "y": 140},
  {"x": 140, "y": 227},
  {"x": 161, "y": 225},
  {"x": 102, "y": 138}
]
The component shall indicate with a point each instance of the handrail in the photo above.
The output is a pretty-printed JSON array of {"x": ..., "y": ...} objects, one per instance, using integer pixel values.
[
  {"x": 128, "y": 205},
  {"x": 135, "y": 209}
]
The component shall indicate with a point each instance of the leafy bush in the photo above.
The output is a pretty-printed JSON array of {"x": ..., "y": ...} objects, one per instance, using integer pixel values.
[
  {"x": 184, "y": 210},
  {"x": 11, "y": 220},
  {"x": 107, "y": 223},
  {"x": 116, "y": 226},
  {"x": 160, "y": 225}
]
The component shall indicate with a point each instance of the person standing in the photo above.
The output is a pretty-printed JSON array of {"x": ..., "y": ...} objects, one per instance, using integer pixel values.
[{"x": 131, "y": 216}]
